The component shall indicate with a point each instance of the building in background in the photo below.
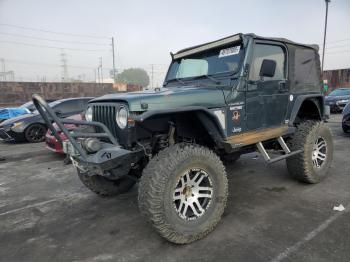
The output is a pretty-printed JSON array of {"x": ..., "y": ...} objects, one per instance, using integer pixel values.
[{"x": 336, "y": 78}]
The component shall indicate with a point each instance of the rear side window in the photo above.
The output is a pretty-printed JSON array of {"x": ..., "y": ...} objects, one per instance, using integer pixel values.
[
  {"x": 305, "y": 67},
  {"x": 271, "y": 52}
]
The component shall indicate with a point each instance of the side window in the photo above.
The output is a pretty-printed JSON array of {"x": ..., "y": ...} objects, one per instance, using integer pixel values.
[{"x": 272, "y": 52}]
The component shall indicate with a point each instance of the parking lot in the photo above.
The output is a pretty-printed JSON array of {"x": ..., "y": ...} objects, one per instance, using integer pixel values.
[{"x": 46, "y": 214}]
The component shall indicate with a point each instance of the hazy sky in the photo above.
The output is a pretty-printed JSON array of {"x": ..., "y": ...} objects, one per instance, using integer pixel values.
[{"x": 146, "y": 31}]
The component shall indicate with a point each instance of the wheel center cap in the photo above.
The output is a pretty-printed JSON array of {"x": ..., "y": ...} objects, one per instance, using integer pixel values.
[{"x": 187, "y": 191}]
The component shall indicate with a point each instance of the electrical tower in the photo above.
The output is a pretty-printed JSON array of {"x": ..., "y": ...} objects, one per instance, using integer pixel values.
[
  {"x": 64, "y": 73},
  {"x": 4, "y": 73}
]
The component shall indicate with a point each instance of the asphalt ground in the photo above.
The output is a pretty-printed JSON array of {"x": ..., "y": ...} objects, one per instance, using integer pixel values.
[{"x": 46, "y": 214}]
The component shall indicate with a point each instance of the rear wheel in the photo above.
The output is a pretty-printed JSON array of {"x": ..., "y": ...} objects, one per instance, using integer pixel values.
[
  {"x": 35, "y": 133},
  {"x": 105, "y": 187},
  {"x": 183, "y": 192},
  {"x": 315, "y": 139}
]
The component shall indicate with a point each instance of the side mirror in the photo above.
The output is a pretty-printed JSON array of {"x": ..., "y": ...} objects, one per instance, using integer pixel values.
[{"x": 268, "y": 68}]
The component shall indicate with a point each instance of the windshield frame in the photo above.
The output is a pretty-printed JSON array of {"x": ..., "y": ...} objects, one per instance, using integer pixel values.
[{"x": 219, "y": 74}]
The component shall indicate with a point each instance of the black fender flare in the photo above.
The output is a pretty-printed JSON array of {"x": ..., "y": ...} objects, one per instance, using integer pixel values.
[
  {"x": 317, "y": 99},
  {"x": 206, "y": 117}
]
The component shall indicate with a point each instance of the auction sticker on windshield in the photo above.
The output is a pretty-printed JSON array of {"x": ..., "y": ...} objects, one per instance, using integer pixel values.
[{"x": 234, "y": 50}]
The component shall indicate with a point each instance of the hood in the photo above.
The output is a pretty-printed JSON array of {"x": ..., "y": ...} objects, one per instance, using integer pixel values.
[
  {"x": 168, "y": 98},
  {"x": 20, "y": 118},
  {"x": 335, "y": 98}
]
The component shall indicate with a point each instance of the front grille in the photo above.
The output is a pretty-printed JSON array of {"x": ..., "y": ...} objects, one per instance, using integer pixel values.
[{"x": 105, "y": 114}]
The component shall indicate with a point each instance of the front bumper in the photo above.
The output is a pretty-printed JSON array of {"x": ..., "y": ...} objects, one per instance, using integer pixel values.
[
  {"x": 336, "y": 106},
  {"x": 8, "y": 135},
  {"x": 108, "y": 156},
  {"x": 53, "y": 144}
]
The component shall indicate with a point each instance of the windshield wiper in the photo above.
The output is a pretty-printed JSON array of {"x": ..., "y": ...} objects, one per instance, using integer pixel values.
[
  {"x": 175, "y": 79},
  {"x": 210, "y": 78}
]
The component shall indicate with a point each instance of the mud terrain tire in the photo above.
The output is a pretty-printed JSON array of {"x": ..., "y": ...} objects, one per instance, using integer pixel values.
[
  {"x": 309, "y": 136},
  {"x": 159, "y": 186}
]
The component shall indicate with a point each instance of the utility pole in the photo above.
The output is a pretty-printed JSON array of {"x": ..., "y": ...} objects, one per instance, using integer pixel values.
[
  {"x": 152, "y": 71},
  {"x": 325, "y": 32},
  {"x": 114, "y": 72},
  {"x": 101, "y": 72},
  {"x": 64, "y": 74}
]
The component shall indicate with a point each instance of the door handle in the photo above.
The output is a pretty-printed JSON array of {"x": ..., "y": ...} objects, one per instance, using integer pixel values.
[{"x": 282, "y": 86}]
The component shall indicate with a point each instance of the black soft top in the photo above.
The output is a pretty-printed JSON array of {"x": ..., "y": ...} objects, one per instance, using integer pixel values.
[{"x": 237, "y": 38}]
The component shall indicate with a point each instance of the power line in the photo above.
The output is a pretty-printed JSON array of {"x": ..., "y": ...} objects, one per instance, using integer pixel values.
[
  {"x": 53, "y": 40},
  {"x": 53, "y": 47},
  {"x": 52, "y": 32},
  {"x": 338, "y": 52},
  {"x": 15, "y": 61},
  {"x": 336, "y": 41}
]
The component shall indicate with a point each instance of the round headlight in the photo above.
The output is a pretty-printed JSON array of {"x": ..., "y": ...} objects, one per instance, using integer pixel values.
[
  {"x": 122, "y": 117},
  {"x": 88, "y": 114}
]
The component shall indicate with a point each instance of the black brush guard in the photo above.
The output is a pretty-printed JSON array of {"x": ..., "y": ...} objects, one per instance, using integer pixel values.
[{"x": 111, "y": 155}]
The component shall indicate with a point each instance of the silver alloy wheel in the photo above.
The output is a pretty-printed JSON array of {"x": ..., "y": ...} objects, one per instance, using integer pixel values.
[
  {"x": 192, "y": 194},
  {"x": 319, "y": 152}
]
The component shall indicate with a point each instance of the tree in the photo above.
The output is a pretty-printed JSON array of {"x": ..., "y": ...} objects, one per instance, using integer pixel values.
[{"x": 135, "y": 76}]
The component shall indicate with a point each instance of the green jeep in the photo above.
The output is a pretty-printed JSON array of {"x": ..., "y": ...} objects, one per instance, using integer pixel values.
[{"x": 219, "y": 100}]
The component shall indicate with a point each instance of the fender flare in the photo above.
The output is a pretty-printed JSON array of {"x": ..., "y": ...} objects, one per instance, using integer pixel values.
[
  {"x": 205, "y": 116},
  {"x": 316, "y": 99}
]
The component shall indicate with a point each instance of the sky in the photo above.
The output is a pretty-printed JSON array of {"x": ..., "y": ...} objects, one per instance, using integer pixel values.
[{"x": 35, "y": 33}]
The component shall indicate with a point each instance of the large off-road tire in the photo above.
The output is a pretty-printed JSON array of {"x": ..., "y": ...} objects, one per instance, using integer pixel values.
[
  {"x": 315, "y": 139},
  {"x": 183, "y": 192},
  {"x": 35, "y": 133},
  {"x": 105, "y": 187}
]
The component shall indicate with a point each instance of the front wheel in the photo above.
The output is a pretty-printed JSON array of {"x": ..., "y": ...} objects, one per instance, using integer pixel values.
[
  {"x": 315, "y": 139},
  {"x": 35, "y": 133},
  {"x": 183, "y": 192}
]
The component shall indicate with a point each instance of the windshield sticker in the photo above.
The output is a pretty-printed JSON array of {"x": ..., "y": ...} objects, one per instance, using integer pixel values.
[
  {"x": 234, "y": 50},
  {"x": 236, "y": 108}
]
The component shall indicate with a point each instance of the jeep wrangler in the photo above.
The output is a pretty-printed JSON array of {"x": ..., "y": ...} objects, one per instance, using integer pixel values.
[{"x": 219, "y": 100}]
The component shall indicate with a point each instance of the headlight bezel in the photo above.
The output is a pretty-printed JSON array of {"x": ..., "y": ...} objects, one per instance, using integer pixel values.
[
  {"x": 88, "y": 114},
  {"x": 121, "y": 117}
]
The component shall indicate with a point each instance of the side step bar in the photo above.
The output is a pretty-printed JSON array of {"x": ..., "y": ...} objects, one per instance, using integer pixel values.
[{"x": 285, "y": 148}]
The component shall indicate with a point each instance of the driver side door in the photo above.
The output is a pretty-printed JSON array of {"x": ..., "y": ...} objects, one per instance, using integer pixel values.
[{"x": 267, "y": 97}]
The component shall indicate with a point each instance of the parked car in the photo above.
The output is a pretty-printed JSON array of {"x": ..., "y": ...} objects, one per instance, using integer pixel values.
[
  {"x": 338, "y": 99},
  {"x": 32, "y": 128},
  {"x": 221, "y": 99},
  {"x": 52, "y": 143},
  {"x": 346, "y": 119},
  {"x": 10, "y": 112},
  {"x": 30, "y": 106}
]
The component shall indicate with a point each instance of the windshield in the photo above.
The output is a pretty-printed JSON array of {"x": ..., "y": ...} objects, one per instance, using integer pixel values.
[
  {"x": 27, "y": 105},
  {"x": 340, "y": 92},
  {"x": 211, "y": 62}
]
